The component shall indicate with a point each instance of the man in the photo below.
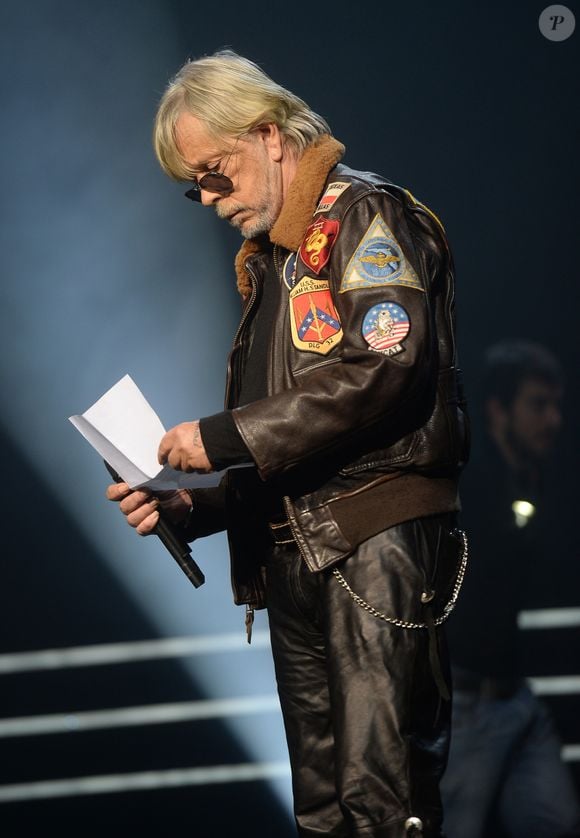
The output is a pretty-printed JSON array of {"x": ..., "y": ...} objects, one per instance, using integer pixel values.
[
  {"x": 345, "y": 528},
  {"x": 505, "y": 772}
]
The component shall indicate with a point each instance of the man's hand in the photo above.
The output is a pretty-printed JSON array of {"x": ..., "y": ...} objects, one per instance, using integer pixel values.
[
  {"x": 183, "y": 449},
  {"x": 140, "y": 508}
]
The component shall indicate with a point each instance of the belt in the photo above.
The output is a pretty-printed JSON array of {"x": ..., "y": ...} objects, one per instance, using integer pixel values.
[
  {"x": 281, "y": 532},
  {"x": 485, "y": 686}
]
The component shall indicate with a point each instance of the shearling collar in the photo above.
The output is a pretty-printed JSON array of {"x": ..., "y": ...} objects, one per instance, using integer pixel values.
[{"x": 313, "y": 167}]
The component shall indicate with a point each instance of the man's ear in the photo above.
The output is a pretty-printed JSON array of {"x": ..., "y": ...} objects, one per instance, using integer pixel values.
[{"x": 270, "y": 135}]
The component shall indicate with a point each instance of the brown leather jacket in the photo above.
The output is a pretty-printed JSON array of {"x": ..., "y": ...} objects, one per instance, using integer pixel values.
[{"x": 364, "y": 425}]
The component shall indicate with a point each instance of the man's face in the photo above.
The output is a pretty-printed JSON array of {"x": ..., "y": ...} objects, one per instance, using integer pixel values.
[
  {"x": 253, "y": 167},
  {"x": 534, "y": 418}
]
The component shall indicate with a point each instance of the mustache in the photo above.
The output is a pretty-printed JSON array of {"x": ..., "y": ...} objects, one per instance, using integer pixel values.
[{"x": 225, "y": 211}]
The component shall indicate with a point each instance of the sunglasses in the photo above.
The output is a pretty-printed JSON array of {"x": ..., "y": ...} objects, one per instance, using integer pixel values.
[{"x": 213, "y": 181}]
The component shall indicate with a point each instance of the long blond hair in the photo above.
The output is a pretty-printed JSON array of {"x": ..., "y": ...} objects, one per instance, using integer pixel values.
[{"x": 230, "y": 95}]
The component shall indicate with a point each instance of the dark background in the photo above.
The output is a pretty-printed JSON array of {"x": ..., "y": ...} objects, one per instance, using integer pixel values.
[{"x": 465, "y": 104}]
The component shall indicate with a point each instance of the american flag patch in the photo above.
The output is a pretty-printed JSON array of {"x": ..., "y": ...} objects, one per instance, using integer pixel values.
[{"x": 385, "y": 327}]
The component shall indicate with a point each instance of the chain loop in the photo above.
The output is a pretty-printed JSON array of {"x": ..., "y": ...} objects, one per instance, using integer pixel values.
[{"x": 406, "y": 623}]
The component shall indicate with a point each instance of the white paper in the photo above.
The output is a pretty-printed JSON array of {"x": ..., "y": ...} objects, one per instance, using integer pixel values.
[{"x": 125, "y": 430}]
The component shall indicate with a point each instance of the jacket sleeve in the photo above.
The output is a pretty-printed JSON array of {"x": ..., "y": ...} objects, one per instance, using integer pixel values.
[
  {"x": 366, "y": 381},
  {"x": 208, "y": 515}
]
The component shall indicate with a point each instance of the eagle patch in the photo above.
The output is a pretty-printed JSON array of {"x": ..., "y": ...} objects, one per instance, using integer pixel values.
[
  {"x": 378, "y": 260},
  {"x": 385, "y": 327}
]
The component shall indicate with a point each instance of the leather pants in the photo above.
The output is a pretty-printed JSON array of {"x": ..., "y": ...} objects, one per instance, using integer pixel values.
[{"x": 366, "y": 724}]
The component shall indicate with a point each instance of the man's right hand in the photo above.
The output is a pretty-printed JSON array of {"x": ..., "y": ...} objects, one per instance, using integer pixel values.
[{"x": 140, "y": 507}]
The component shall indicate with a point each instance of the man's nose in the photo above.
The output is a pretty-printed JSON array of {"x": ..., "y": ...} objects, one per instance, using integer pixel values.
[{"x": 208, "y": 198}]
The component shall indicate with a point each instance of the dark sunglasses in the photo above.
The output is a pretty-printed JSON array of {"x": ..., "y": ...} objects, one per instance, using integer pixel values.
[{"x": 215, "y": 182}]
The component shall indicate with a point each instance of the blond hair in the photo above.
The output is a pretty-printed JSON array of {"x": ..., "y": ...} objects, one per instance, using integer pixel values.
[{"x": 230, "y": 95}]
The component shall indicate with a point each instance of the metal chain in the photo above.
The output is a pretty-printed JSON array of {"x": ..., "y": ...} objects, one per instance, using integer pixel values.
[{"x": 406, "y": 623}]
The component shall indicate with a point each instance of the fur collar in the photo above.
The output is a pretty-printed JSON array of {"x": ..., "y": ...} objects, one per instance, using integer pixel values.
[{"x": 298, "y": 208}]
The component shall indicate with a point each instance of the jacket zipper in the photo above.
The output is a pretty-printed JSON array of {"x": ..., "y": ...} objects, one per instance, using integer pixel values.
[
  {"x": 275, "y": 254},
  {"x": 239, "y": 330},
  {"x": 249, "y": 617}
]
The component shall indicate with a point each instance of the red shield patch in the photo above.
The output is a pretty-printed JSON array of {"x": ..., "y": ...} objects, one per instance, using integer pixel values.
[
  {"x": 313, "y": 317},
  {"x": 317, "y": 244}
]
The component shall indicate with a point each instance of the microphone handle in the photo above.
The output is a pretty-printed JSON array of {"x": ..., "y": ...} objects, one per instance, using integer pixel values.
[
  {"x": 177, "y": 546},
  {"x": 180, "y": 550}
]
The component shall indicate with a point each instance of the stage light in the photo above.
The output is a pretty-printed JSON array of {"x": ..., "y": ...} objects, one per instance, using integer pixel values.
[
  {"x": 109, "y": 270},
  {"x": 523, "y": 511}
]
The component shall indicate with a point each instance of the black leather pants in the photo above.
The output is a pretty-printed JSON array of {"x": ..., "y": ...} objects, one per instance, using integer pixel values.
[{"x": 366, "y": 725}]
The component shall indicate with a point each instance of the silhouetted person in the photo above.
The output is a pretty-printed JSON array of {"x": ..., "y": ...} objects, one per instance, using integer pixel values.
[{"x": 505, "y": 770}]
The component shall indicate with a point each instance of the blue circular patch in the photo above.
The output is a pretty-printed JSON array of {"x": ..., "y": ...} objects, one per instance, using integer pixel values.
[
  {"x": 385, "y": 327},
  {"x": 289, "y": 271},
  {"x": 380, "y": 259}
]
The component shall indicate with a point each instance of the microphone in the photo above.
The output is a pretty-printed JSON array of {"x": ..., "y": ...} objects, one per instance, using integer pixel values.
[{"x": 173, "y": 542}]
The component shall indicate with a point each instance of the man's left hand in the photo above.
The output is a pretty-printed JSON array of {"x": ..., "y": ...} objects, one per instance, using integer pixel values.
[{"x": 182, "y": 448}]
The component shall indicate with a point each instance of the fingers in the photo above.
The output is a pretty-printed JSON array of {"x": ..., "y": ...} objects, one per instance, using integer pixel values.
[
  {"x": 134, "y": 501},
  {"x": 148, "y": 524},
  {"x": 165, "y": 447},
  {"x": 117, "y": 491},
  {"x": 182, "y": 448},
  {"x": 178, "y": 460},
  {"x": 138, "y": 507},
  {"x": 137, "y": 516}
]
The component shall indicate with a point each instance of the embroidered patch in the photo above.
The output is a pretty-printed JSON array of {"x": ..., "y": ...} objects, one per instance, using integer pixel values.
[
  {"x": 317, "y": 244},
  {"x": 333, "y": 191},
  {"x": 289, "y": 271},
  {"x": 385, "y": 327},
  {"x": 313, "y": 317},
  {"x": 378, "y": 260}
]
